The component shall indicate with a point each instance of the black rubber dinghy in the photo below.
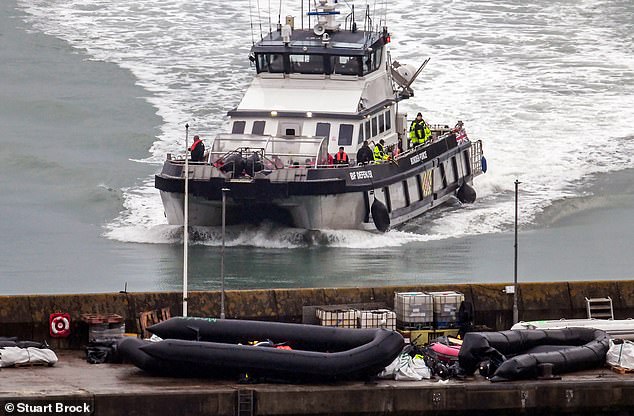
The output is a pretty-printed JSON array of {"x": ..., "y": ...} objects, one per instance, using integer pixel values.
[
  {"x": 569, "y": 349},
  {"x": 219, "y": 348}
]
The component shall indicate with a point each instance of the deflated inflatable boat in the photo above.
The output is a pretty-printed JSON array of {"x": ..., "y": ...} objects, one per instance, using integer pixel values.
[
  {"x": 569, "y": 349},
  {"x": 217, "y": 348}
]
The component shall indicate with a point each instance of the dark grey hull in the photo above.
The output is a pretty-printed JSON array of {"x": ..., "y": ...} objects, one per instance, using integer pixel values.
[{"x": 325, "y": 198}]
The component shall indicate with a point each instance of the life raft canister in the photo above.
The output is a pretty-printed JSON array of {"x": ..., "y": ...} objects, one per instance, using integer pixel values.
[{"x": 59, "y": 325}]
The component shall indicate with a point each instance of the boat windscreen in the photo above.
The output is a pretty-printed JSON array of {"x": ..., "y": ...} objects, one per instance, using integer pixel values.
[{"x": 284, "y": 150}]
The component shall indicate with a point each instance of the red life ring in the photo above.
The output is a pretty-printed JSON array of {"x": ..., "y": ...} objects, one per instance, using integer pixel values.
[{"x": 59, "y": 325}]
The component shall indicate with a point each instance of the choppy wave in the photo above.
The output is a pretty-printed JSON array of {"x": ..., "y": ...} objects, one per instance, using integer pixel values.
[{"x": 546, "y": 85}]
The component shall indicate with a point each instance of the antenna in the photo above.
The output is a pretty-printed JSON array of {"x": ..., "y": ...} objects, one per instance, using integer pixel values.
[
  {"x": 354, "y": 22},
  {"x": 385, "y": 9},
  {"x": 271, "y": 27},
  {"x": 251, "y": 20},
  {"x": 260, "y": 19},
  {"x": 374, "y": 11}
]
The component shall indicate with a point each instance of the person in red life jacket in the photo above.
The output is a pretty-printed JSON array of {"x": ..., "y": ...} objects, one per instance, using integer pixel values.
[
  {"x": 341, "y": 157},
  {"x": 197, "y": 150},
  {"x": 331, "y": 160}
]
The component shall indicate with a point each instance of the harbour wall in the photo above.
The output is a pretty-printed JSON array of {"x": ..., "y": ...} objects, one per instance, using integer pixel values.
[{"x": 27, "y": 316}]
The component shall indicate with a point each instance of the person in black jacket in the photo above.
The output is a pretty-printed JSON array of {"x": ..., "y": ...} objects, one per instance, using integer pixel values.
[
  {"x": 364, "y": 154},
  {"x": 197, "y": 150}
]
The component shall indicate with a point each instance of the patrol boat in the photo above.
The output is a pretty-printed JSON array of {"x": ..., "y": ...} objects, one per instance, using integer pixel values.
[{"x": 316, "y": 90}]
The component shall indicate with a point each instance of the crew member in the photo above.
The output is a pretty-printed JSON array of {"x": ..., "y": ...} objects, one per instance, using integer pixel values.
[
  {"x": 379, "y": 151},
  {"x": 197, "y": 150},
  {"x": 341, "y": 158},
  {"x": 419, "y": 131},
  {"x": 364, "y": 154}
]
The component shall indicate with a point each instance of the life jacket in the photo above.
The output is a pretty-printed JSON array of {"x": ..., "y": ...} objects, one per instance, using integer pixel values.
[
  {"x": 196, "y": 143},
  {"x": 413, "y": 132},
  {"x": 197, "y": 150},
  {"x": 419, "y": 132},
  {"x": 341, "y": 158},
  {"x": 427, "y": 131},
  {"x": 378, "y": 152}
]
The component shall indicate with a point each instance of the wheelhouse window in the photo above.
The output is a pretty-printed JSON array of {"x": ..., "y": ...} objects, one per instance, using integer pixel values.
[
  {"x": 388, "y": 120},
  {"x": 323, "y": 130},
  {"x": 258, "y": 127},
  {"x": 376, "y": 58},
  {"x": 360, "y": 134},
  {"x": 367, "y": 130},
  {"x": 374, "y": 127},
  {"x": 345, "y": 65},
  {"x": 345, "y": 134},
  {"x": 270, "y": 62},
  {"x": 372, "y": 61},
  {"x": 381, "y": 123},
  {"x": 238, "y": 127},
  {"x": 307, "y": 64}
]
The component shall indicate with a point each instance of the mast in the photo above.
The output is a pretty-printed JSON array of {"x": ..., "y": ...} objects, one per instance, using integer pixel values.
[{"x": 186, "y": 222}]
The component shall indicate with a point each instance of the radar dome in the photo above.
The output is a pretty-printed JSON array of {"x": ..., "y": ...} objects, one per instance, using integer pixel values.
[{"x": 407, "y": 71}]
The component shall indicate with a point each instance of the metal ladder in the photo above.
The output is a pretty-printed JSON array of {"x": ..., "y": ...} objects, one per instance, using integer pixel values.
[
  {"x": 245, "y": 403},
  {"x": 600, "y": 308},
  {"x": 476, "y": 157}
]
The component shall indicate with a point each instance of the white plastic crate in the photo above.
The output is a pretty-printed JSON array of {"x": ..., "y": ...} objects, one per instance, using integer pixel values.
[
  {"x": 343, "y": 318},
  {"x": 105, "y": 332},
  {"x": 446, "y": 306},
  {"x": 378, "y": 318},
  {"x": 414, "y": 309}
]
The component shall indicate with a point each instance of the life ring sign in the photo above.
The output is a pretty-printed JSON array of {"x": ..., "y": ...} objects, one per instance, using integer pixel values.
[{"x": 59, "y": 325}]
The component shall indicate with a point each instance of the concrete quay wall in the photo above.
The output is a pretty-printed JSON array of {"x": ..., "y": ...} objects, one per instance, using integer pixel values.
[{"x": 27, "y": 316}]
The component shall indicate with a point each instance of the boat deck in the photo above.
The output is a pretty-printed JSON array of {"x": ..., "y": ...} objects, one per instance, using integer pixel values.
[{"x": 118, "y": 389}]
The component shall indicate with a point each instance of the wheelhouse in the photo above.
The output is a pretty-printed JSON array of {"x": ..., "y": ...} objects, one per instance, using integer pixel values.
[{"x": 358, "y": 53}]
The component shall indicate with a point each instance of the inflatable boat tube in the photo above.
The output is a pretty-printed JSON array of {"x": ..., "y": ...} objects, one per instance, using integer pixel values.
[
  {"x": 568, "y": 349},
  {"x": 445, "y": 353},
  {"x": 217, "y": 348},
  {"x": 615, "y": 328}
]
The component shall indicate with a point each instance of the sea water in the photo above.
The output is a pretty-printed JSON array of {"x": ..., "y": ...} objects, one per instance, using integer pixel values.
[{"x": 547, "y": 86}]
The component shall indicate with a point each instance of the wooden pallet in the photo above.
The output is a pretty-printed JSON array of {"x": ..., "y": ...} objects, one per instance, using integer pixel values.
[
  {"x": 31, "y": 364},
  {"x": 620, "y": 370}
]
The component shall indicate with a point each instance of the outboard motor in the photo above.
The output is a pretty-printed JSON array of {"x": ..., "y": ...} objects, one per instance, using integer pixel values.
[
  {"x": 380, "y": 215},
  {"x": 466, "y": 194},
  {"x": 234, "y": 163}
]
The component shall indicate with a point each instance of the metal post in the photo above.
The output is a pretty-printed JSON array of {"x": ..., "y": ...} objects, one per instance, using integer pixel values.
[
  {"x": 186, "y": 221},
  {"x": 222, "y": 255},
  {"x": 515, "y": 310}
]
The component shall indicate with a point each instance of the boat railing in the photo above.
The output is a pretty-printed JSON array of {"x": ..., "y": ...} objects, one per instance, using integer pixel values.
[
  {"x": 275, "y": 152},
  {"x": 476, "y": 157}
]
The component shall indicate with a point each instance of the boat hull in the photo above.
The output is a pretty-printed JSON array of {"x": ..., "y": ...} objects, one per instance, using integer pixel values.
[{"x": 323, "y": 198}]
